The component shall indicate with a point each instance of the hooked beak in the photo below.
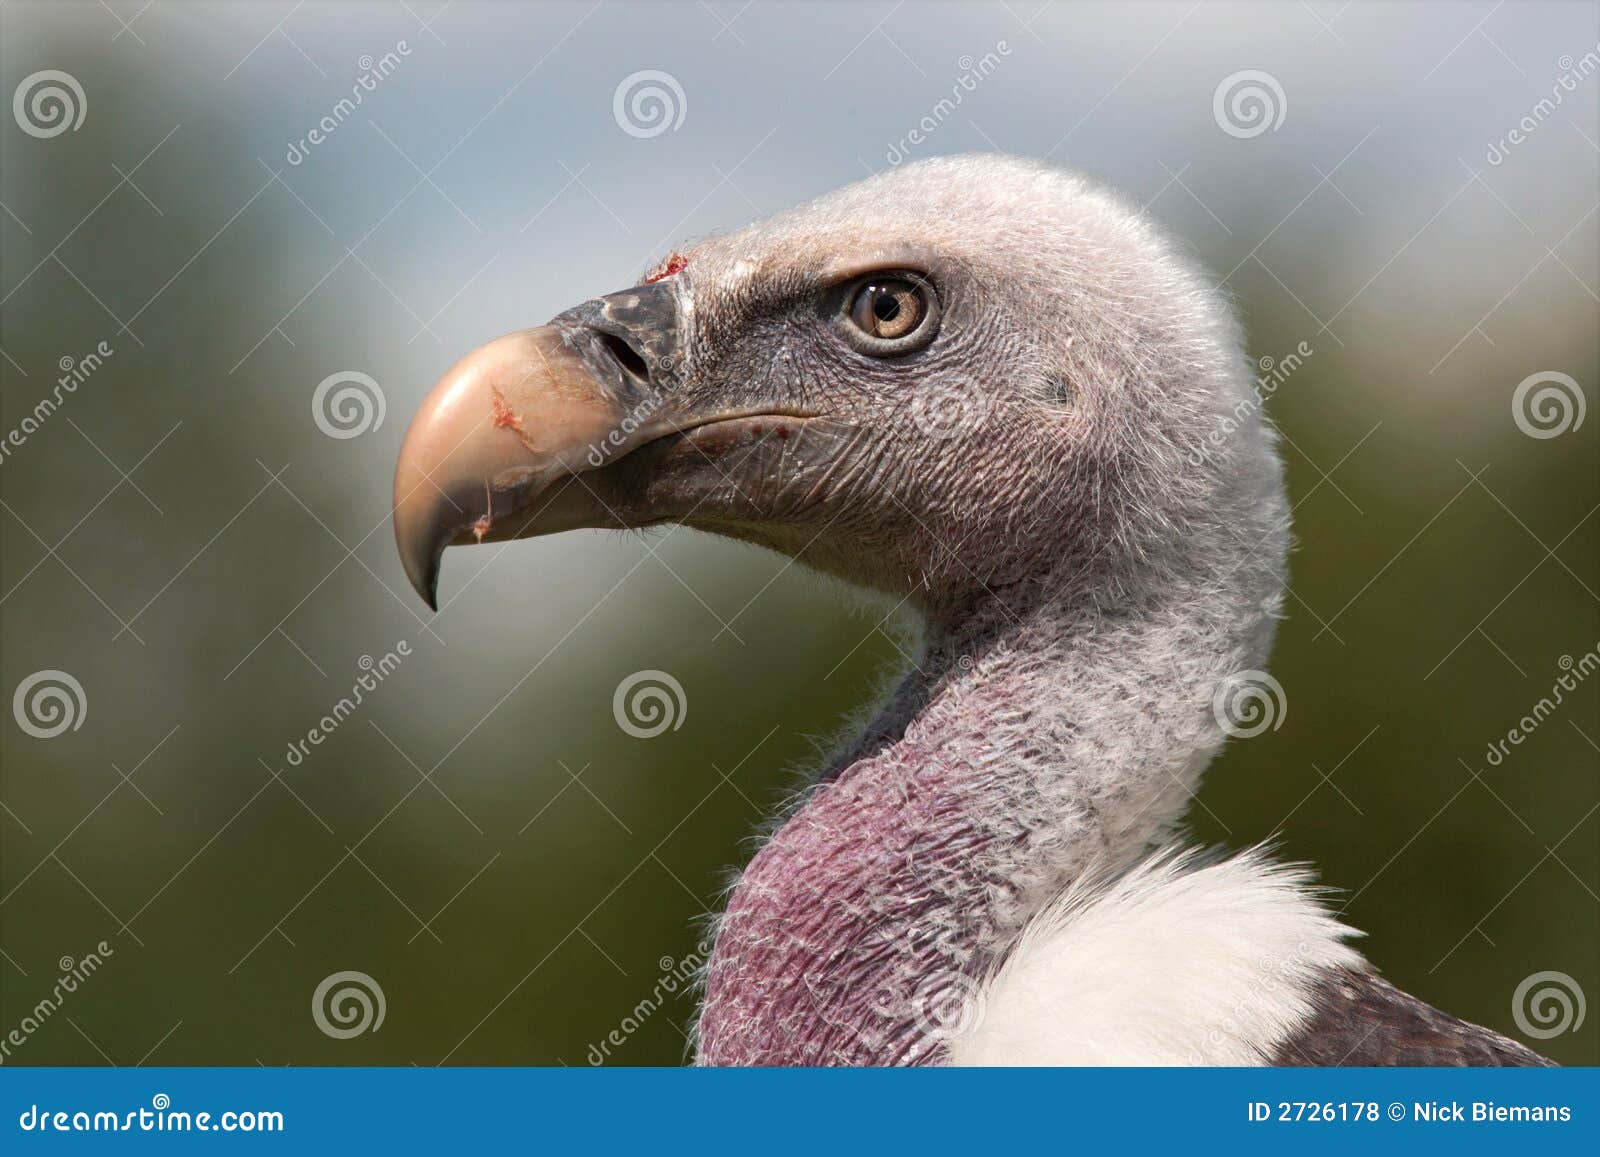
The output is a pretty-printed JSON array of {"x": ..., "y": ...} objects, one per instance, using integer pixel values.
[{"x": 498, "y": 448}]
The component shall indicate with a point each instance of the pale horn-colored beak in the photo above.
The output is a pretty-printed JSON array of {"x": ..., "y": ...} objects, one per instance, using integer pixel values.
[
  {"x": 498, "y": 449},
  {"x": 504, "y": 423}
]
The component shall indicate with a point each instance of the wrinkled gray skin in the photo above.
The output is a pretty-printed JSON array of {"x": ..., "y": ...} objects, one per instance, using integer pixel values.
[{"x": 1063, "y": 418}]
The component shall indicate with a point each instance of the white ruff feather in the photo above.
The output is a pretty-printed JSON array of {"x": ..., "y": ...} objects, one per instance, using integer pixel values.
[{"x": 1172, "y": 964}]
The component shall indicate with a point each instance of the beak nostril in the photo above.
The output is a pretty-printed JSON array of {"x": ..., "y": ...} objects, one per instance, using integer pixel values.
[{"x": 629, "y": 358}]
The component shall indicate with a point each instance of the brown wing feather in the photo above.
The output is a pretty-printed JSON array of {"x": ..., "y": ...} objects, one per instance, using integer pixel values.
[{"x": 1362, "y": 1019}]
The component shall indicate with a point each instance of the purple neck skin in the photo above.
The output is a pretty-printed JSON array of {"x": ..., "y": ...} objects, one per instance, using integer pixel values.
[{"x": 1026, "y": 748}]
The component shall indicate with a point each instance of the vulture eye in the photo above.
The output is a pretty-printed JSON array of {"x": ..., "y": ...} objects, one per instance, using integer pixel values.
[{"x": 889, "y": 314}]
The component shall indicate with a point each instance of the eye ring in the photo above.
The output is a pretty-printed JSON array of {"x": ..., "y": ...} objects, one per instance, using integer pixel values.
[{"x": 889, "y": 313}]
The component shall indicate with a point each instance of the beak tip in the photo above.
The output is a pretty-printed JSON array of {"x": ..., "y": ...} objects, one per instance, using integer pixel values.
[
  {"x": 427, "y": 586},
  {"x": 426, "y": 582},
  {"x": 420, "y": 555}
]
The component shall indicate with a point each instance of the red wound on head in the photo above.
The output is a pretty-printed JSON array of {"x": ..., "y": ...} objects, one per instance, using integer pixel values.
[
  {"x": 674, "y": 264},
  {"x": 505, "y": 416}
]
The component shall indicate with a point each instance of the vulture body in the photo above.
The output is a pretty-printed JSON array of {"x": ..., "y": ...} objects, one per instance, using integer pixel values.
[{"x": 992, "y": 392}]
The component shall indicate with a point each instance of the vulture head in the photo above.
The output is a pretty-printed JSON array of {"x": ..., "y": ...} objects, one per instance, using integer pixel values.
[
  {"x": 952, "y": 381},
  {"x": 991, "y": 390}
]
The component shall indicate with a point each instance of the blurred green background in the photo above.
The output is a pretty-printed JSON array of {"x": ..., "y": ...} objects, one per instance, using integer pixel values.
[{"x": 480, "y": 838}]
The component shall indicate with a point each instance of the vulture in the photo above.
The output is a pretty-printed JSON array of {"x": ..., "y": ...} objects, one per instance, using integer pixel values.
[{"x": 993, "y": 392}]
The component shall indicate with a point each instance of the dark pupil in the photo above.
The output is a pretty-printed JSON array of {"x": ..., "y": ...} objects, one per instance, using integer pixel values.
[{"x": 885, "y": 306}]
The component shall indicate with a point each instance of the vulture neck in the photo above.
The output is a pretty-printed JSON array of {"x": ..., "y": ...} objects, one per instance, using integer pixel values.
[{"x": 1036, "y": 739}]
